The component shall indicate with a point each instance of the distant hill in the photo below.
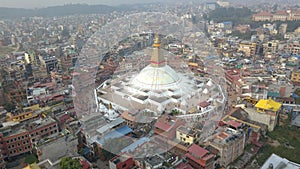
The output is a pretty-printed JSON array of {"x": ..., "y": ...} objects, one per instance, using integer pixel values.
[{"x": 10, "y": 13}]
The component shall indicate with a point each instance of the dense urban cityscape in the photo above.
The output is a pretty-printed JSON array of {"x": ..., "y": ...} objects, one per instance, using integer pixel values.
[{"x": 161, "y": 85}]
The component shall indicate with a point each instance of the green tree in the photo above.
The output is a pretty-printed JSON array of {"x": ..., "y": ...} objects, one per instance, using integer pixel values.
[
  {"x": 31, "y": 159},
  {"x": 69, "y": 163},
  {"x": 9, "y": 107}
]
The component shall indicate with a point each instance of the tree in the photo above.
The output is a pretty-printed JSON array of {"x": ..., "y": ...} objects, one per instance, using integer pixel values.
[
  {"x": 9, "y": 107},
  {"x": 31, "y": 159},
  {"x": 69, "y": 163}
]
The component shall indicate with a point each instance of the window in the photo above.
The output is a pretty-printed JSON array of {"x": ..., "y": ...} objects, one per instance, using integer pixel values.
[
  {"x": 124, "y": 165},
  {"x": 22, "y": 137},
  {"x": 32, "y": 135},
  {"x": 12, "y": 145}
]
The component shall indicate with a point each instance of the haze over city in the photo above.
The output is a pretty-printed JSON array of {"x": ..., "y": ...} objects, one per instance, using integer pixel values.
[{"x": 41, "y": 4}]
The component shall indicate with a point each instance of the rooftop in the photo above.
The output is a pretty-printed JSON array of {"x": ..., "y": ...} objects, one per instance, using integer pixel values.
[
  {"x": 279, "y": 162},
  {"x": 155, "y": 160},
  {"x": 120, "y": 158},
  {"x": 268, "y": 105}
]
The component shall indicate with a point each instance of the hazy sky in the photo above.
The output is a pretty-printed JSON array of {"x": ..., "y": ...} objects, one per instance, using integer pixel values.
[{"x": 45, "y": 3}]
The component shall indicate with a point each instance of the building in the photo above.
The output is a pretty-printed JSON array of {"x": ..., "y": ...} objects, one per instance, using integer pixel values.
[
  {"x": 154, "y": 162},
  {"x": 136, "y": 119},
  {"x": 122, "y": 161},
  {"x": 270, "y": 47},
  {"x": 280, "y": 16},
  {"x": 282, "y": 28},
  {"x": 275, "y": 161},
  {"x": 2, "y": 162},
  {"x": 155, "y": 89},
  {"x": 199, "y": 157},
  {"x": 166, "y": 126},
  {"x": 30, "y": 58},
  {"x": 248, "y": 48},
  {"x": 295, "y": 76},
  {"x": 262, "y": 16},
  {"x": 266, "y": 113},
  {"x": 48, "y": 62},
  {"x": 230, "y": 145},
  {"x": 16, "y": 143},
  {"x": 293, "y": 47},
  {"x": 40, "y": 129},
  {"x": 187, "y": 135}
]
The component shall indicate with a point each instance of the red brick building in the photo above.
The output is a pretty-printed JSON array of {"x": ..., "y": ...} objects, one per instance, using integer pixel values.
[
  {"x": 122, "y": 161},
  {"x": 2, "y": 162},
  {"x": 199, "y": 157},
  {"x": 42, "y": 129},
  {"x": 16, "y": 143}
]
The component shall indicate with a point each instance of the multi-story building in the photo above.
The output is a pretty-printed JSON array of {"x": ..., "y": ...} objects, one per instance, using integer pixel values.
[
  {"x": 2, "y": 162},
  {"x": 42, "y": 129},
  {"x": 266, "y": 113},
  {"x": 199, "y": 157},
  {"x": 230, "y": 145},
  {"x": 282, "y": 28},
  {"x": 122, "y": 161},
  {"x": 48, "y": 62},
  {"x": 16, "y": 143},
  {"x": 270, "y": 47},
  {"x": 280, "y": 16},
  {"x": 290, "y": 15},
  {"x": 293, "y": 48},
  {"x": 248, "y": 48},
  {"x": 262, "y": 16},
  {"x": 30, "y": 58},
  {"x": 295, "y": 76},
  {"x": 186, "y": 134}
]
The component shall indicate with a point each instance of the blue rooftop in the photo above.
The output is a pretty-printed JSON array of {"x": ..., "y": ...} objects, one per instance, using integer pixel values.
[
  {"x": 119, "y": 132},
  {"x": 134, "y": 145}
]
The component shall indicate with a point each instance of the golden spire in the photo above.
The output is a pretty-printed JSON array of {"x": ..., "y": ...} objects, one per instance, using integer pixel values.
[
  {"x": 156, "y": 41},
  {"x": 157, "y": 59}
]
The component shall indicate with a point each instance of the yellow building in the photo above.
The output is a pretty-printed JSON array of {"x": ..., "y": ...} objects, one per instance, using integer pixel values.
[
  {"x": 186, "y": 135},
  {"x": 248, "y": 48},
  {"x": 295, "y": 77},
  {"x": 266, "y": 113},
  {"x": 29, "y": 58},
  {"x": 267, "y": 105}
]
